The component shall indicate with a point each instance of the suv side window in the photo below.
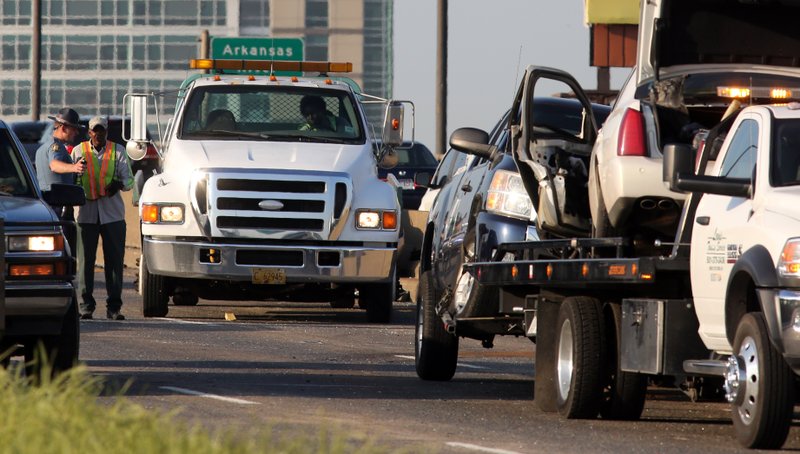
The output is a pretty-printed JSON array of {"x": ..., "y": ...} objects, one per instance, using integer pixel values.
[
  {"x": 445, "y": 170},
  {"x": 740, "y": 160}
]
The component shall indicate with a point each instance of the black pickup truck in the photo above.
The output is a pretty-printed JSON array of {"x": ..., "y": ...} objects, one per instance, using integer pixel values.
[{"x": 39, "y": 302}]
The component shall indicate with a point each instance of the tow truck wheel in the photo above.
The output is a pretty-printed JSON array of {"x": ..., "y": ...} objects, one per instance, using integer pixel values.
[
  {"x": 435, "y": 350},
  {"x": 154, "y": 292},
  {"x": 761, "y": 385},
  {"x": 377, "y": 300},
  {"x": 580, "y": 357},
  {"x": 623, "y": 392}
]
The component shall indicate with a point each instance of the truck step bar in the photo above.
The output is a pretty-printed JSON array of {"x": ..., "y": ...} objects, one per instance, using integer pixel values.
[{"x": 713, "y": 367}]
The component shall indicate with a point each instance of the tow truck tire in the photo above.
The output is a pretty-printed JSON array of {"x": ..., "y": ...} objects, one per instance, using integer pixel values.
[
  {"x": 185, "y": 299},
  {"x": 154, "y": 292},
  {"x": 435, "y": 350},
  {"x": 762, "y": 412},
  {"x": 378, "y": 299},
  {"x": 580, "y": 357},
  {"x": 623, "y": 392}
]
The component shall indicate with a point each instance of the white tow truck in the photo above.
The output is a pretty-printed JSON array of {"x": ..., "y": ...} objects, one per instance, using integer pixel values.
[
  {"x": 261, "y": 198},
  {"x": 719, "y": 306}
]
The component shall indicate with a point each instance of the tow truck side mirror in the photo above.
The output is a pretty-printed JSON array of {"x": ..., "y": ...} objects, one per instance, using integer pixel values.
[
  {"x": 135, "y": 105},
  {"x": 393, "y": 124},
  {"x": 677, "y": 159},
  {"x": 472, "y": 141}
]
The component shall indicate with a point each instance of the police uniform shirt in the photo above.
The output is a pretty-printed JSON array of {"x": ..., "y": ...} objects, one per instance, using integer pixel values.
[
  {"x": 50, "y": 150},
  {"x": 106, "y": 209}
]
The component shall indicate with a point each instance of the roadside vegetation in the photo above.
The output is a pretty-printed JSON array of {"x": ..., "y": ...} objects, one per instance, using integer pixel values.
[{"x": 62, "y": 415}]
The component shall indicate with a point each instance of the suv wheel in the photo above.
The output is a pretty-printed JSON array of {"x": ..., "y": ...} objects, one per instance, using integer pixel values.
[{"x": 59, "y": 352}]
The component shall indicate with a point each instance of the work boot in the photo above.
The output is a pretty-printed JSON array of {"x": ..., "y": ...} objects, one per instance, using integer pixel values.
[
  {"x": 86, "y": 316},
  {"x": 114, "y": 315}
]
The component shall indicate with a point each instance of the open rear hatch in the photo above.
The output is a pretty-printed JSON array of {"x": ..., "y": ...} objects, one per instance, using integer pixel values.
[{"x": 717, "y": 32}]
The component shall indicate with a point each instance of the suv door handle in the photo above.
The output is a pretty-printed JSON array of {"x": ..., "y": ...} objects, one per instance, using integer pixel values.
[
  {"x": 703, "y": 220},
  {"x": 466, "y": 188}
]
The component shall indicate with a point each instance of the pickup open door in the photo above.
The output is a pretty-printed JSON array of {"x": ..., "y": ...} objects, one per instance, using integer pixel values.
[{"x": 553, "y": 130}]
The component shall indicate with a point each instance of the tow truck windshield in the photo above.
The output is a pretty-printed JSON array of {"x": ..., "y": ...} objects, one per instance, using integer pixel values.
[{"x": 279, "y": 113}]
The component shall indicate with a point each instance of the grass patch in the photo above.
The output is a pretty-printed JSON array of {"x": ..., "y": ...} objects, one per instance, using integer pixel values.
[{"x": 62, "y": 415}]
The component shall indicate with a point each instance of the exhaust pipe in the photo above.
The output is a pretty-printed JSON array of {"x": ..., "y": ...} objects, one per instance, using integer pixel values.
[
  {"x": 648, "y": 204},
  {"x": 666, "y": 204}
]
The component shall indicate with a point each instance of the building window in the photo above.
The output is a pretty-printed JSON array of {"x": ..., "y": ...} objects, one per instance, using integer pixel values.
[{"x": 254, "y": 17}]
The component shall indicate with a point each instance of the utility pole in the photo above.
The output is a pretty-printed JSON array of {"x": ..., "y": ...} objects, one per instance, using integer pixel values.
[
  {"x": 36, "y": 60},
  {"x": 441, "y": 79}
]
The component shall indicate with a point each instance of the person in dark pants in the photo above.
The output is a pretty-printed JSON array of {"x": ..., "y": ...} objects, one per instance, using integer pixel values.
[
  {"x": 107, "y": 173},
  {"x": 54, "y": 165}
]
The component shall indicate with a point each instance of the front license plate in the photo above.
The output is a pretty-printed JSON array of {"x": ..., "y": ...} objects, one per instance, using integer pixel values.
[{"x": 273, "y": 276}]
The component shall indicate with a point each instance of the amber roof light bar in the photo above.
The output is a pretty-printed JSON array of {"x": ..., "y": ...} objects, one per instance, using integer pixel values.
[{"x": 272, "y": 65}]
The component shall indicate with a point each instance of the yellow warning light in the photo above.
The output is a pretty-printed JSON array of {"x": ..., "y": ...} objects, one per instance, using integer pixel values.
[
  {"x": 273, "y": 78},
  {"x": 647, "y": 276},
  {"x": 733, "y": 92},
  {"x": 395, "y": 124},
  {"x": 585, "y": 270},
  {"x": 634, "y": 269},
  {"x": 294, "y": 79},
  {"x": 272, "y": 65},
  {"x": 780, "y": 93},
  {"x": 549, "y": 270},
  {"x": 217, "y": 78},
  {"x": 514, "y": 271},
  {"x": 328, "y": 82},
  {"x": 251, "y": 78}
]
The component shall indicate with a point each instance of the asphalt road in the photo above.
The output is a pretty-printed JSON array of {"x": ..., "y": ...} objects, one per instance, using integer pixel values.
[{"x": 302, "y": 366}]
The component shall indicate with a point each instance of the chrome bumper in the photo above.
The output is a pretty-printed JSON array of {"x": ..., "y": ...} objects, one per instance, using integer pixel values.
[
  {"x": 784, "y": 328},
  {"x": 182, "y": 259}
]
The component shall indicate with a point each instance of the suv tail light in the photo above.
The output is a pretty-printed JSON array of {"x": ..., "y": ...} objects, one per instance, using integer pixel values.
[{"x": 631, "y": 135}]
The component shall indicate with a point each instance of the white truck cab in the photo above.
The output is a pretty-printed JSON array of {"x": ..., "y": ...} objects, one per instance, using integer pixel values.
[{"x": 269, "y": 189}]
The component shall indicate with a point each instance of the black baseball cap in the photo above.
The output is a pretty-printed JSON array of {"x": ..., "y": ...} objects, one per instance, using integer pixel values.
[{"x": 68, "y": 117}]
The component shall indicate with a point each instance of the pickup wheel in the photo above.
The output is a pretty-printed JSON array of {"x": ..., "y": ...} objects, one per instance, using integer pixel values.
[
  {"x": 377, "y": 299},
  {"x": 764, "y": 403},
  {"x": 623, "y": 392},
  {"x": 435, "y": 350},
  {"x": 154, "y": 292},
  {"x": 60, "y": 351},
  {"x": 580, "y": 357}
]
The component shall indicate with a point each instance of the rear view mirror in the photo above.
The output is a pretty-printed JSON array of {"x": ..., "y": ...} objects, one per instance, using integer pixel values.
[
  {"x": 422, "y": 179},
  {"x": 65, "y": 195},
  {"x": 472, "y": 141},
  {"x": 135, "y": 105},
  {"x": 678, "y": 158},
  {"x": 393, "y": 124}
]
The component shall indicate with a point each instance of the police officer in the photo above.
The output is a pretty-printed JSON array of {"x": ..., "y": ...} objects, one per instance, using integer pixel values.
[{"x": 54, "y": 165}]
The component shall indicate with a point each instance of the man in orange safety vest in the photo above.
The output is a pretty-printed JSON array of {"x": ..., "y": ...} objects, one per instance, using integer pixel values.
[{"x": 107, "y": 173}]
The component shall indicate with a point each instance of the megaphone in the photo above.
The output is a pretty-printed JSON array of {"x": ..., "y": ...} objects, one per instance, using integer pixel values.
[{"x": 136, "y": 150}]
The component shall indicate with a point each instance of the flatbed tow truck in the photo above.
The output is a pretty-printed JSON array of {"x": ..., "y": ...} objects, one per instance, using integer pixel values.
[{"x": 717, "y": 310}]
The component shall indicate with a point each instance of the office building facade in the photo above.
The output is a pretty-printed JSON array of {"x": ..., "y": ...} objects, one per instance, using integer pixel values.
[{"x": 95, "y": 51}]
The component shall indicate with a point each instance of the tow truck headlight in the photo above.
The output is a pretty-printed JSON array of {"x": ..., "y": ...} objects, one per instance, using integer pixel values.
[
  {"x": 789, "y": 264},
  {"x": 507, "y": 196},
  {"x": 368, "y": 220},
  {"x": 376, "y": 219},
  {"x": 32, "y": 243},
  {"x": 160, "y": 213}
]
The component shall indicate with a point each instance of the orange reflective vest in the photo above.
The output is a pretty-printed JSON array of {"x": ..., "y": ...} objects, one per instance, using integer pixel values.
[{"x": 97, "y": 175}]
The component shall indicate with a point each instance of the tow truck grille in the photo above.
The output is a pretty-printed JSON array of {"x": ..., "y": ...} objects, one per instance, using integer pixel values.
[{"x": 274, "y": 204}]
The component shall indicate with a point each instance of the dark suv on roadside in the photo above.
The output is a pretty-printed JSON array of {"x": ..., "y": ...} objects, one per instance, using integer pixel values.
[
  {"x": 482, "y": 203},
  {"x": 40, "y": 306}
]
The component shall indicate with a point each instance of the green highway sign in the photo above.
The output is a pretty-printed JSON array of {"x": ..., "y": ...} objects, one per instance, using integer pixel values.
[{"x": 247, "y": 48}]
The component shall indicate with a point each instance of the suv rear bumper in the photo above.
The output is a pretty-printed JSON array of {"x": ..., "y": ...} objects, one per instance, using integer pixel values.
[{"x": 367, "y": 263}]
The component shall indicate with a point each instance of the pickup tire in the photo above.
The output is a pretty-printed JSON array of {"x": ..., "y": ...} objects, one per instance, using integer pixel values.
[
  {"x": 154, "y": 292},
  {"x": 624, "y": 392},
  {"x": 580, "y": 357},
  {"x": 763, "y": 409},
  {"x": 435, "y": 350}
]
